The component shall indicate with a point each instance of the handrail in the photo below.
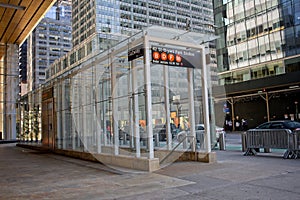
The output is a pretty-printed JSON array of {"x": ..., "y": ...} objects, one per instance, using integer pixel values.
[{"x": 180, "y": 142}]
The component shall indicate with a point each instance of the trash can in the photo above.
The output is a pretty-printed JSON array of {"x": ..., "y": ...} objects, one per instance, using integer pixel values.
[
  {"x": 222, "y": 144},
  {"x": 244, "y": 142}
]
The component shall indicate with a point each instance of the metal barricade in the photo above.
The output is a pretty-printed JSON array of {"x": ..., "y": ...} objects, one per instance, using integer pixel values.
[
  {"x": 273, "y": 138},
  {"x": 295, "y": 149}
]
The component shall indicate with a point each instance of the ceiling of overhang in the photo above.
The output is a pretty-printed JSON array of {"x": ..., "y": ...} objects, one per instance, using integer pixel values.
[{"x": 19, "y": 17}]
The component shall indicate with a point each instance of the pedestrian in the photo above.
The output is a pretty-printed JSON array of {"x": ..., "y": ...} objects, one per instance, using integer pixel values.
[
  {"x": 230, "y": 125},
  {"x": 244, "y": 125},
  {"x": 237, "y": 124}
]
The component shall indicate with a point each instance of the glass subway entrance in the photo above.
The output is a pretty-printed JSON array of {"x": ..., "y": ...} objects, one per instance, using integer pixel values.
[{"x": 147, "y": 93}]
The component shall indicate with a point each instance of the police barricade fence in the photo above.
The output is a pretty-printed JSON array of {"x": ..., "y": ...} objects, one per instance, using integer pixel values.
[
  {"x": 296, "y": 142},
  {"x": 273, "y": 138}
]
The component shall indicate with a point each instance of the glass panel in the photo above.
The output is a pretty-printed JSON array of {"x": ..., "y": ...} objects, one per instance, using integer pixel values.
[
  {"x": 75, "y": 111},
  {"x": 87, "y": 109},
  {"x": 140, "y": 95},
  {"x": 103, "y": 103},
  {"x": 122, "y": 97},
  {"x": 241, "y": 76},
  {"x": 289, "y": 46},
  {"x": 158, "y": 104},
  {"x": 179, "y": 97},
  {"x": 253, "y": 51},
  {"x": 59, "y": 137},
  {"x": 67, "y": 125}
]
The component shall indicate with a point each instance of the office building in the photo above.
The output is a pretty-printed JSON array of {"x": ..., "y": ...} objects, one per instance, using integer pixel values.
[
  {"x": 50, "y": 40},
  {"x": 258, "y": 56},
  {"x": 112, "y": 18}
]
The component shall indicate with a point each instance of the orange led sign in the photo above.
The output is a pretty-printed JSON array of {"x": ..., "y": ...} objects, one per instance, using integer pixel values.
[{"x": 175, "y": 57}]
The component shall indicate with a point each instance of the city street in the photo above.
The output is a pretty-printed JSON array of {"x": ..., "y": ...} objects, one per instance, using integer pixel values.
[
  {"x": 29, "y": 174},
  {"x": 129, "y": 100}
]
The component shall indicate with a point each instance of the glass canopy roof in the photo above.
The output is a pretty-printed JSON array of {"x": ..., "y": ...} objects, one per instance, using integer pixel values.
[{"x": 179, "y": 35}]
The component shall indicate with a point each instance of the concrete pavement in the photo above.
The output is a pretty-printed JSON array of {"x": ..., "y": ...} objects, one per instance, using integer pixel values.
[{"x": 30, "y": 174}]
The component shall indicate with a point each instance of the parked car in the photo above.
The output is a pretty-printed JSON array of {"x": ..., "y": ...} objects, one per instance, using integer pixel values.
[
  {"x": 218, "y": 131},
  {"x": 280, "y": 124},
  {"x": 199, "y": 128},
  {"x": 160, "y": 129},
  {"x": 125, "y": 131}
]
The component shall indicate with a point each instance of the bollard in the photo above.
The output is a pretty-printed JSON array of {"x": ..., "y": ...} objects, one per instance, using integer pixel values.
[
  {"x": 156, "y": 140},
  {"x": 125, "y": 138},
  {"x": 132, "y": 141},
  {"x": 244, "y": 142},
  {"x": 222, "y": 144}
]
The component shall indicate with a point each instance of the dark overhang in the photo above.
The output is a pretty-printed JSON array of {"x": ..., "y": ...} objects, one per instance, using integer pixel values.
[{"x": 270, "y": 84}]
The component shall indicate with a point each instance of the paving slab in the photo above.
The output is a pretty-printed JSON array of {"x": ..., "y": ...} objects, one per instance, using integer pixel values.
[{"x": 30, "y": 174}]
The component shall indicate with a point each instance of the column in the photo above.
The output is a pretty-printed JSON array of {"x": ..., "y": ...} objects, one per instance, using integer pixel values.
[
  {"x": 167, "y": 108},
  {"x": 191, "y": 105},
  {"x": 205, "y": 100},
  {"x": 148, "y": 97},
  {"x": 135, "y": 129}
]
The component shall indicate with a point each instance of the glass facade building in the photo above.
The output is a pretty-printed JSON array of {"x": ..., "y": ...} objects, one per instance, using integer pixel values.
[
  {"x": 112, "y": 18},
  {"x": 50, "y": 40},
  {"x": 259, "y": 38},
  {"x": 258, "y": 56}
]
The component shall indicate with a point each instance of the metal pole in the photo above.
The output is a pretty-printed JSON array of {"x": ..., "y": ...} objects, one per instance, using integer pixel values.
[
  {"x": 192, "y": 108},
  {"x": 147, "y": 76},
  {"x": 130, "y": 89},
  {"x": 205, "y": 102},
  {"x": 4, "y": 123},
  {"x": 135, "y": 109},
  {"x": 114, "y": 107},
  {"x": 267, "y": 103},
  {"x": 232, "y": 113},
  {"x": 104, "y": 126},
  {"x": 167, "y": 108}
]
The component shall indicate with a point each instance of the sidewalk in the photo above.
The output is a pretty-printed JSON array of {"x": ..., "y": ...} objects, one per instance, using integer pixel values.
[{"x": 30, "y": 174}]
